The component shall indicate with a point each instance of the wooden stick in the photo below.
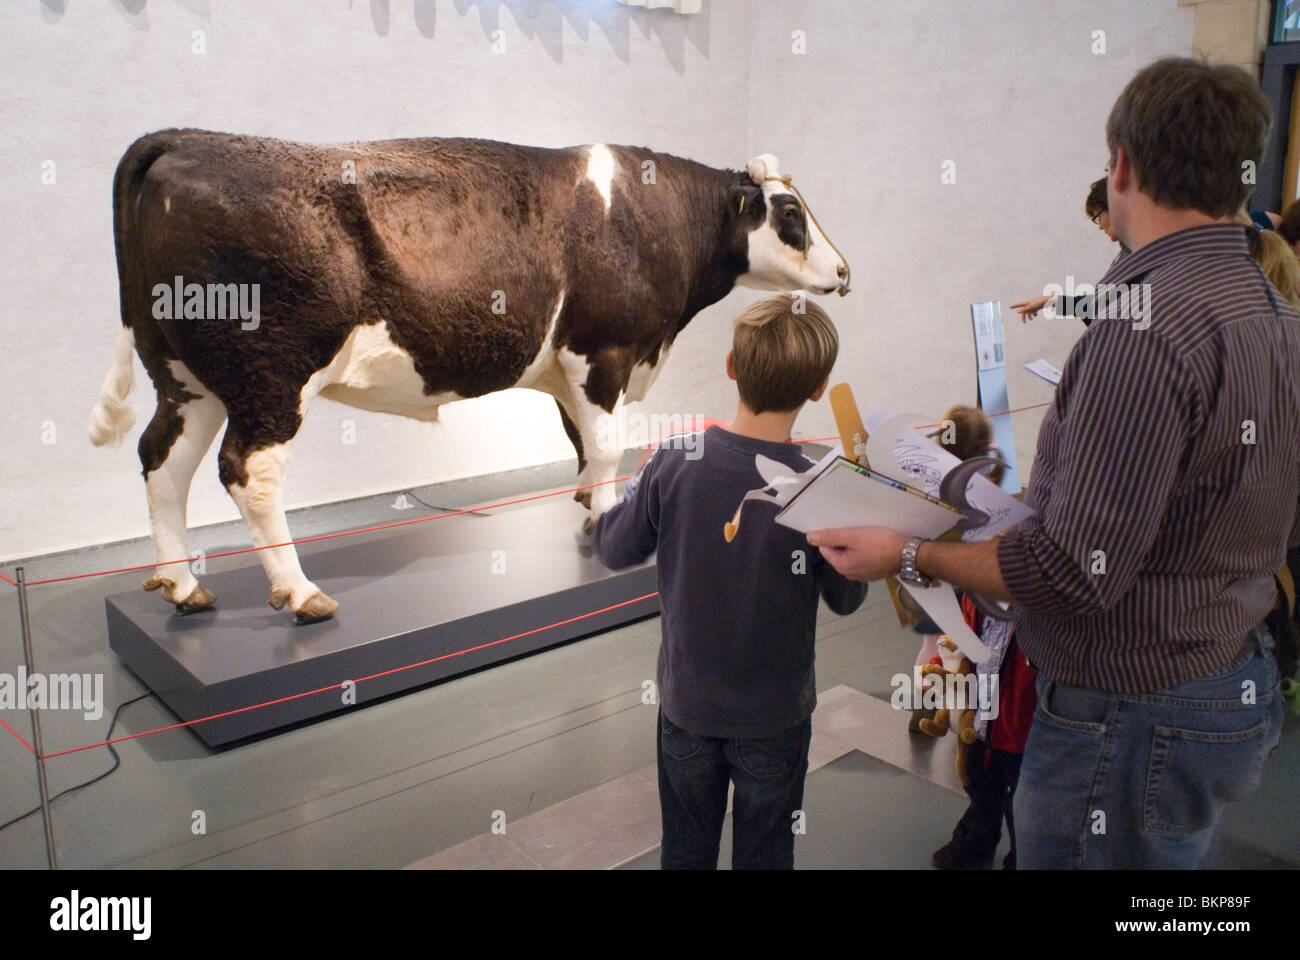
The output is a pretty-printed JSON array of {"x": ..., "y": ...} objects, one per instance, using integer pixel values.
[{"x": 848, "y": 420}]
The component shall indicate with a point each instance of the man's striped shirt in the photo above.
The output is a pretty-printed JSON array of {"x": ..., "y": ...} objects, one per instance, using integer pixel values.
[{"x": 1167, "y": 479}]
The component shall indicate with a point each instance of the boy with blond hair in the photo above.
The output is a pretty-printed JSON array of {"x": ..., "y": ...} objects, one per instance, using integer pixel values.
[{"x": 735, "y": 675}]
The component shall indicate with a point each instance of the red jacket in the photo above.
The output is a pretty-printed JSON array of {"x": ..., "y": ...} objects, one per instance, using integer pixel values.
[{"x": 1017, "y": 697}]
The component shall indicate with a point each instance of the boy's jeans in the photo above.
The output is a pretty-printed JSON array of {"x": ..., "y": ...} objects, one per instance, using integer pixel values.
[
  {"x": 1141, "y": 780},
  {"x": 693, "y": 775},
  {"x": 992, "y": 774}
]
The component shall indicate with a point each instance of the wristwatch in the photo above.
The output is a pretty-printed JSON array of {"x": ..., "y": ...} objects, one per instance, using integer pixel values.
[{"x": 909, "y": 572}]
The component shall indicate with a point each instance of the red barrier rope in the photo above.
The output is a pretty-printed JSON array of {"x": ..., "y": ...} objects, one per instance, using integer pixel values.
[
  {"x": 323, "y": 536},
  {"x": 30, "y": 748},
  {"x": 345, "y": 533},
  {"x": 396, "y": 523}
]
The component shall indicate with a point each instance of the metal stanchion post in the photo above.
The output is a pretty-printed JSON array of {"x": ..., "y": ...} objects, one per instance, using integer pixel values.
[{"x": 50, "y": 855}]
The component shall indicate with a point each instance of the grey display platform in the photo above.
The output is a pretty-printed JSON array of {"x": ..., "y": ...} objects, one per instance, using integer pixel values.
[{"x": 412, "y": 594}]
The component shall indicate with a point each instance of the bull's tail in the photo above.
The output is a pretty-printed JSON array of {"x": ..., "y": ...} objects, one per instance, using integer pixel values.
[{"x": 112, "y": 418}]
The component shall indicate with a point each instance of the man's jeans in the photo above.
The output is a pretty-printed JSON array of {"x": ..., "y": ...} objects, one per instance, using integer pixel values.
[
  {"x": 1141, "y": 780},
  {"x": 693, "y": 775}
]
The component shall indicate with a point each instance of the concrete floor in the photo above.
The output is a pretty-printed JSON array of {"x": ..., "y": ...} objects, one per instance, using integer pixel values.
[{"x": 400, "y": 780}]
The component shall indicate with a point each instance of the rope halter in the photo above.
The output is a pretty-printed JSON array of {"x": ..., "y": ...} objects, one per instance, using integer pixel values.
[{"x": 788, "y": 181}]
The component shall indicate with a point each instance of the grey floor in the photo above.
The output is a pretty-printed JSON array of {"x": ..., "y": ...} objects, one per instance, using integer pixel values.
[{"x": 398, "y": 781}]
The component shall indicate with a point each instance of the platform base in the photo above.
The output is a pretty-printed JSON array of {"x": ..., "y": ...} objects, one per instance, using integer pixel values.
[{"x": 451, "y": 595}]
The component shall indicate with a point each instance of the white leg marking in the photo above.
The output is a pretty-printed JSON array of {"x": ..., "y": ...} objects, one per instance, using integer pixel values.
[
  {"x": 168, "y": 487},
  {"x": 600, "y": 170},
  {"x": 261, "y": 502},
  {"x": 601, "y": 432}
]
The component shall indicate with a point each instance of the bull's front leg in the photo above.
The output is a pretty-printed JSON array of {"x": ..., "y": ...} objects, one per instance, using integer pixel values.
[{"x": 591, "y": 408}]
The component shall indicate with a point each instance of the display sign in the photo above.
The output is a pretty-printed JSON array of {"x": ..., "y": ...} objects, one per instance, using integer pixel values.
[{"x": 991, "y": 370}]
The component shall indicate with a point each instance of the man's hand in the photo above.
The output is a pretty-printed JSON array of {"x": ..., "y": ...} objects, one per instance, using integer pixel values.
[
  {"x": 861, "y": 553},
  {"x": 1030, "y": 308}
]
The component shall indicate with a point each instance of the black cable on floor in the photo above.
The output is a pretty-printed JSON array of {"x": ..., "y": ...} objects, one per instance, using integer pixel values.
[
  {"x": 117, "y": 762},
  {"x": 472, "y": 513}
]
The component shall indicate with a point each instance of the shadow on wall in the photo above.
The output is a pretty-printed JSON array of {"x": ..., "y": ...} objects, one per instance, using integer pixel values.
[
  {"x": 538, "y": 20},
  {"x": 542, "y": 20},
  {"x": 132, "y": 10}
]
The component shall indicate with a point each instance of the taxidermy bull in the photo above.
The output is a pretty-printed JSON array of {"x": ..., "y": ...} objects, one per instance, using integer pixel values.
[{"x": 395, "y": 276}]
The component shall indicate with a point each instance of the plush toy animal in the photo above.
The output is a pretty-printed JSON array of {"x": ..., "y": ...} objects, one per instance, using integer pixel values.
[{"x": 951, "y": 662}]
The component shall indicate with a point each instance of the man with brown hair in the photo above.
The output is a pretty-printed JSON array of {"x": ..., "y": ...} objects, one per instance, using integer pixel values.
[
  {"x": 1167, "y": 490},
  {"x": 735, "y": 678}
]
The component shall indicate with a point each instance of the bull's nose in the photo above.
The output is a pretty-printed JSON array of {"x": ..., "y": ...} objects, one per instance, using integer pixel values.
[{"x": 842, "y": 271}]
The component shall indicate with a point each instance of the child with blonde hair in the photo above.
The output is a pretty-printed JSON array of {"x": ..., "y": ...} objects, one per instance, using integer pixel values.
[{"x": 735, "y": 677}]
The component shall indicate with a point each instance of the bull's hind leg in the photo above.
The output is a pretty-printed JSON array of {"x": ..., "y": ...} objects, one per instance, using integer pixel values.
[
  {"x": 591, "y": 401},
  {"x": 254, "y": 479},
  {"x": 182, "y": 429}
]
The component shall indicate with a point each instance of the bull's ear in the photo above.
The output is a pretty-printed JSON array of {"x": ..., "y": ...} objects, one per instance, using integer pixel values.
[{"x": 745, "y": 198}]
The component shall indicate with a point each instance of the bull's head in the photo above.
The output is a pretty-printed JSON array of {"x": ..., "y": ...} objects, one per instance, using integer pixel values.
[{"x": 786, "y": 248}]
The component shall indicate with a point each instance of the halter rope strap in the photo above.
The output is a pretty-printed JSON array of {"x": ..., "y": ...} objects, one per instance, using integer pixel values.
[{"x": 788, "y": 181}]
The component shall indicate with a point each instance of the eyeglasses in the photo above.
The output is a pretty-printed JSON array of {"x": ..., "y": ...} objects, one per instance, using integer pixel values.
[{"x": 1097, "y": 217}]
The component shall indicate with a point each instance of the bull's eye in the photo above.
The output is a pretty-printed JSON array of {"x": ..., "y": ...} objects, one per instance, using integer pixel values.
[{"x": 791, "y": 226}]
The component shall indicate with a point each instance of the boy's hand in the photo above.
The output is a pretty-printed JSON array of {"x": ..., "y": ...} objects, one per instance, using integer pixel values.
[{"x": 861, "y": 553}]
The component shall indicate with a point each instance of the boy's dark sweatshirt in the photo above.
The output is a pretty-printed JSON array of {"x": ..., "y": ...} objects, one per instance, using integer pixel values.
[{"x": 738, "y": 621}]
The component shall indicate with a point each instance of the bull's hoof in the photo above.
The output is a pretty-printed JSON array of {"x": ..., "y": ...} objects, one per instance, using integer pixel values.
[
  {"x": 163, "y": 583},
  {"x": 200, "y": 598},
  {"x": 279, "y": 597},
  {"x": 316, "y": 607},
  {"x": 584, "y": 498}
]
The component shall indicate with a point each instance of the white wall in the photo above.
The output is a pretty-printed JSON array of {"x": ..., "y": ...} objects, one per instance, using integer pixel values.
[
  {"x": 887, "y": 90},
  {"x": 1009, "y": 90},
  {"x": 81, "y": 84}
]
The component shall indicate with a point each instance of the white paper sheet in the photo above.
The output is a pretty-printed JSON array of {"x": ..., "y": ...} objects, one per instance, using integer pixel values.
[
  {"x": 1045, "y": 370},
  {"x": 897, "y": 449},
  {"x": 843, "y": 497},
  {"x": 940, "y": 602}
]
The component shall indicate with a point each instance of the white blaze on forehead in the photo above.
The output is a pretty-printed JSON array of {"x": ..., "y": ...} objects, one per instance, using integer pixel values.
[{"x": 600, "y": 170}]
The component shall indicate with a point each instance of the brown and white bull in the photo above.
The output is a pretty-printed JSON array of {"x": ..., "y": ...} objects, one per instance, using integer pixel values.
[{"x": 400, "y": 275}]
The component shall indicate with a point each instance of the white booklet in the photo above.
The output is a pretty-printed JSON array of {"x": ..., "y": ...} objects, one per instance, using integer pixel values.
[{"x": 843, "y": 494}]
